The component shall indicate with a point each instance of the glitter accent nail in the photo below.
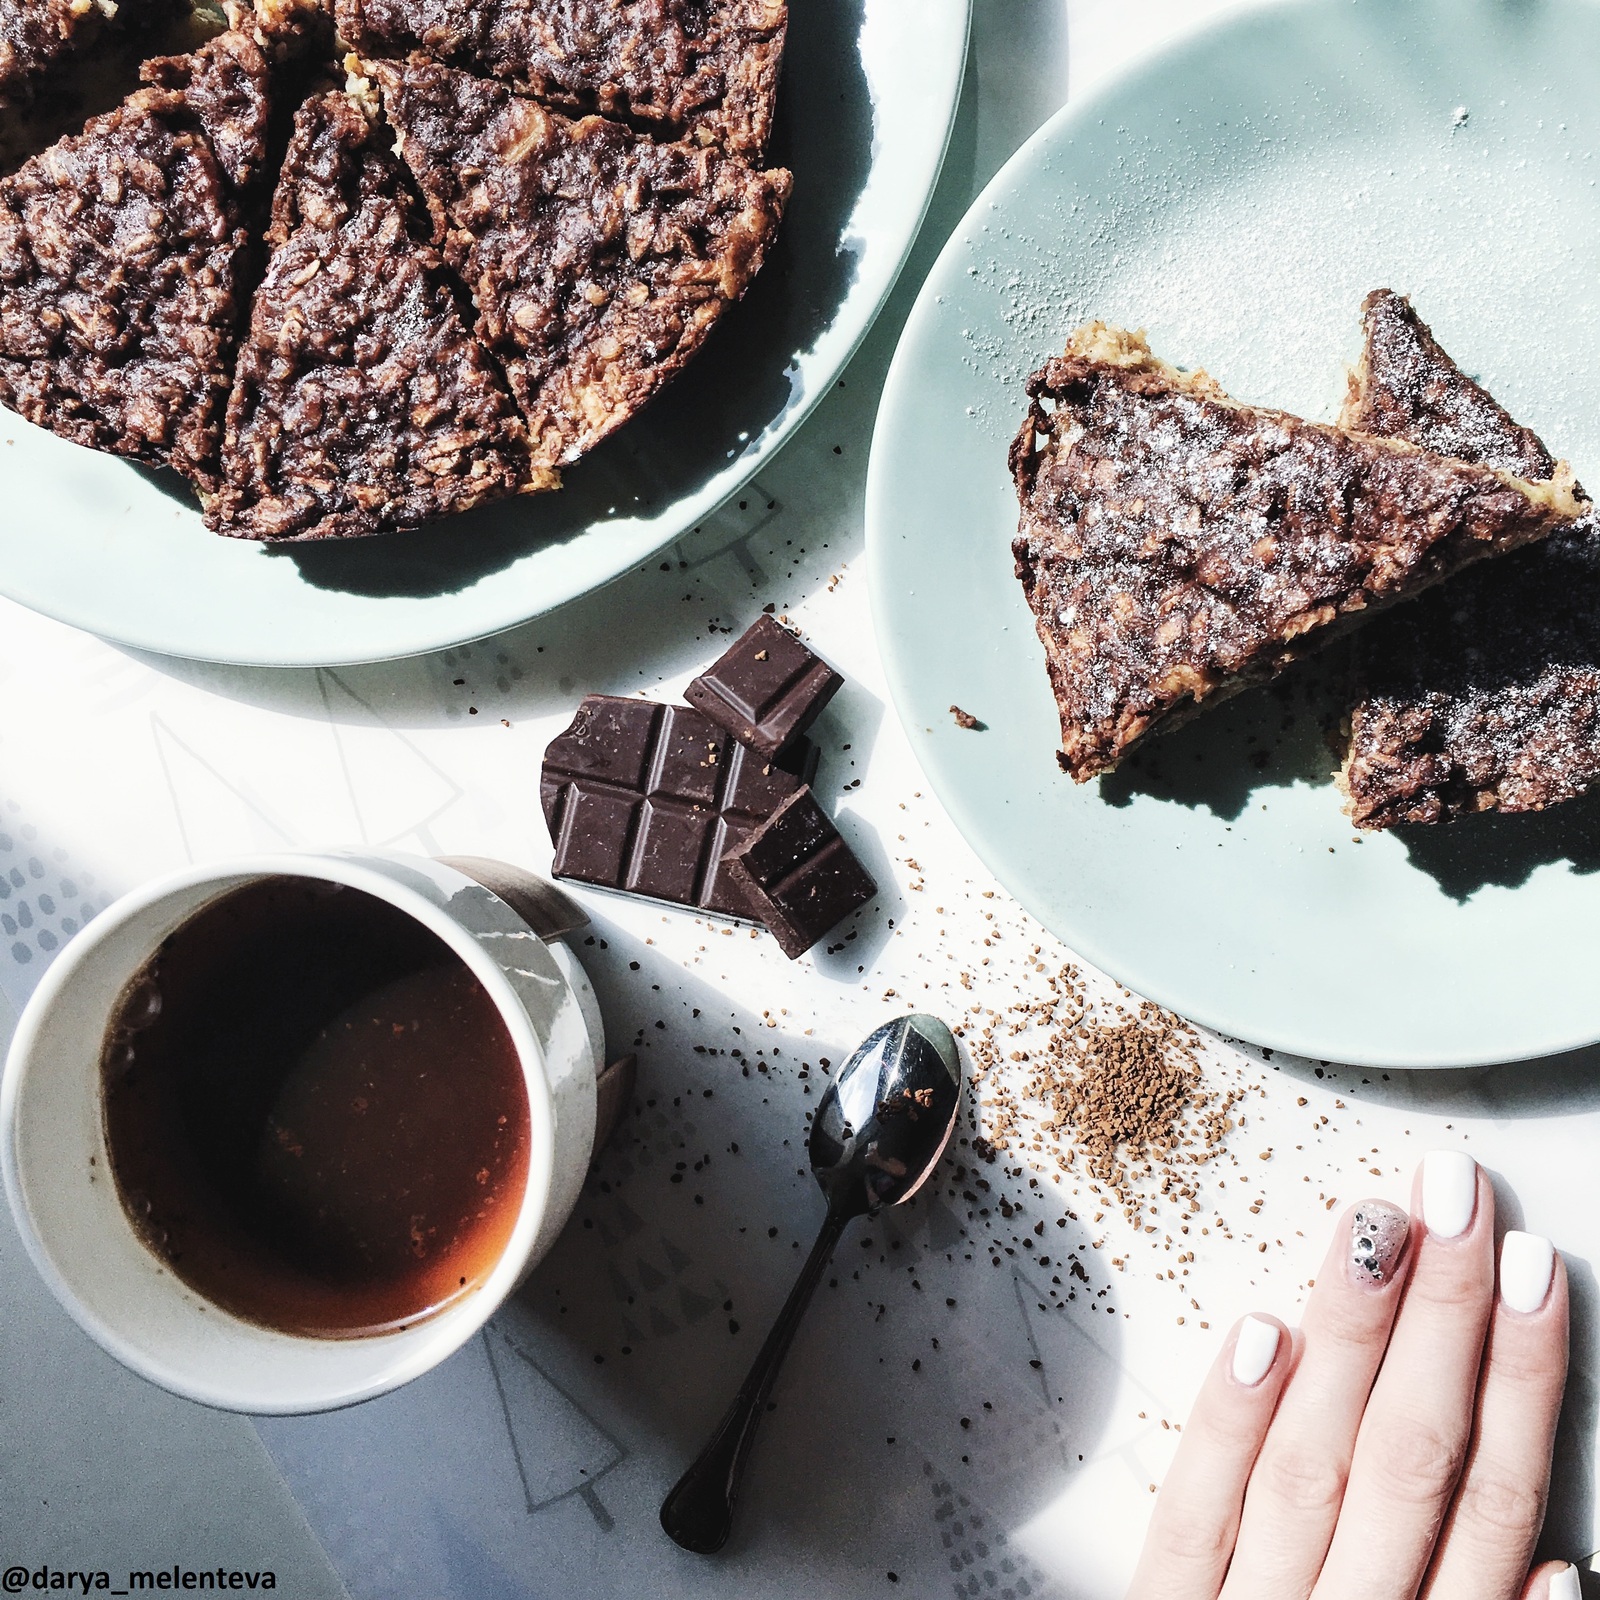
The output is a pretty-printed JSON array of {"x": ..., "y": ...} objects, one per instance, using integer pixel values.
[{"x": 1378, "y": 1234}]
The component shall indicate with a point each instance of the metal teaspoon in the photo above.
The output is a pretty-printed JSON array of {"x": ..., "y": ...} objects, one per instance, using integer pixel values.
[{"x": 877, "y": 1134}]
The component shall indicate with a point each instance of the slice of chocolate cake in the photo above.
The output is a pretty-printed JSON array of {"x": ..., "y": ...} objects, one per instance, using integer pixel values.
[
  {"x": 707, "y": 69},
  {"x": 1405, "y": 387},
  {"x": 363, "y": 402},
  {"x": 1484, "y": 696},
  {"x": 598, "y": 259},
  {"x": 1176, "y": 546},
  {"x": 121, "y": 251}
]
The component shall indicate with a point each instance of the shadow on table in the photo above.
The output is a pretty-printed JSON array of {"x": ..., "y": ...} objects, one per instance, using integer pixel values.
[{"x": 545, "y": 1446}]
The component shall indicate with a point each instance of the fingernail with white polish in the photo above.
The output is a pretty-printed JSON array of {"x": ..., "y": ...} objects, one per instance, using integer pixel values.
[
  {"x": 1564, "y": 1585},
  {"x": 1527, "y": 1264},
  {"x": 1449, "y": 1192},
  {"x": 1378, "y": 1234},
  {"x": 1254, "y": 1351}
]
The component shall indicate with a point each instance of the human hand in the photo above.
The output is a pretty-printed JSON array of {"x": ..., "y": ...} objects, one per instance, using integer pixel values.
[{"x": 1398, "y": 1444}]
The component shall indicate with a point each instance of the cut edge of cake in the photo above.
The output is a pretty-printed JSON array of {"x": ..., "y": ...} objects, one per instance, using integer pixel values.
[
  {"x": 75, "y": 376},
  {"x": 598, "y": 381}
]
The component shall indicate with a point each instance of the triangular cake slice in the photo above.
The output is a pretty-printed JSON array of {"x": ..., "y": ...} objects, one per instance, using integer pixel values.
[
  {"x": 363, "y": 402},
  {"x": 1404, "y": 386},
  {"x": 707, "y": 69},
  {"x": 121, "y": 251},
  {"x": 598, "y": 259},
  {"x": 1484, "y": 696},
  {"x": 1177, "y": 546}
]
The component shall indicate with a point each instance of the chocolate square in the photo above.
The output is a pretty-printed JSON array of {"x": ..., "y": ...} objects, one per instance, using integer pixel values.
[
  {"x": 798, "y": 873},
  {"x": 766, "y": 688},
  {"x": 596, "y": 839},
  {"x": 670, "y": 850},
  {"x": 645, "y": 798}
]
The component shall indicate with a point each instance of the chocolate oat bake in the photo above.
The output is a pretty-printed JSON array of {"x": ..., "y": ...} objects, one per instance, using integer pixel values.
[
  {"x": 1485, "y": 695},
  {"x": 36, "y": 36},
  {"x": 598, "y": 259},
  {"x": 363, "y": 402},
  {"x": 121, "y": 253},
  {"x": 1176, "y": 546},
  {"x": 462, "y": 289},
  {"x": 1404, "y": 386},
  {"x": 705, "y": 68}
]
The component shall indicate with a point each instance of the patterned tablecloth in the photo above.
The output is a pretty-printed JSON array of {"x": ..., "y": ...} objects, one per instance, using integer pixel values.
[{"x": 947, "y": 1424}]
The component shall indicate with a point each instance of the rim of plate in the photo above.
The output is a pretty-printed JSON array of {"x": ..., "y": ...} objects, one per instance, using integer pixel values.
[
  {"x": 620, "y": 554},
  {"x": 1114, "y": 962}
]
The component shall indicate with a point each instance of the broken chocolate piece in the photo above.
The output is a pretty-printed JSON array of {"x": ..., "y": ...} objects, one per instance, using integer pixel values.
[
  {"x": 799, "y": 874},
  {"x": 704, "y": 67},
  {"x": 965, "y": 719},
  {"x": 766, "y": 688},
  {"x": 648, "y": 798},
  {"x": 598, "y": 260},
  {"x": 363, "y": 403},
  {"x": 121, "y": 254}
]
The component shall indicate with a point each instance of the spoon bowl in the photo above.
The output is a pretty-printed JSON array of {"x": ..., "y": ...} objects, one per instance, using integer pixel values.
[{"x": 886, "y": 1119}]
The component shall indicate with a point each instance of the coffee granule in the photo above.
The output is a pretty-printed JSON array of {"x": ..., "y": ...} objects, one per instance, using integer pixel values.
[{"x": 1118, "y": 1097}]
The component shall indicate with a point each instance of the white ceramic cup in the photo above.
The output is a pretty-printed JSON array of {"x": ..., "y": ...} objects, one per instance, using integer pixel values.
[{"x": 53, "y": 1154}]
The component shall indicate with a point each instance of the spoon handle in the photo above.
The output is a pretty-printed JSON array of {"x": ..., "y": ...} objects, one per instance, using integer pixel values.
[{"x": 699, "y": 1512}]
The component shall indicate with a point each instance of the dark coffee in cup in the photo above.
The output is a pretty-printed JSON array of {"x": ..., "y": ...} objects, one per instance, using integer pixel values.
[{"x": 314, "y": 1112}]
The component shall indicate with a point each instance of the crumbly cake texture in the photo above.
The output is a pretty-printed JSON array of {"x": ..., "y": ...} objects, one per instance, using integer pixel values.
[
  {"x": 121, "y": 253},
  {"x": 37, "y": 35},
  {"x": 703, "y": 68},
  {"x": 363, "y": 403},
  {"x": 598, "y": 259},
  {"x": 1484, "y": 696},
  {"x": 286, "y": 29},
  {"x": 1176, "y": 546}
]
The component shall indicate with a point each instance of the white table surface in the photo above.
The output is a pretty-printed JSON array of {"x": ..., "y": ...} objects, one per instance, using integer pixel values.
[{"x": 527, "y": 1466}]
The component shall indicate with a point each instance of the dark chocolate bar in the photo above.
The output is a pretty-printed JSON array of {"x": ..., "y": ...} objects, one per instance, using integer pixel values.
[
  {"x": 647, "y": 798},
  {"x": 765, "y": 688},
  {"x": 798, "y": 874}
]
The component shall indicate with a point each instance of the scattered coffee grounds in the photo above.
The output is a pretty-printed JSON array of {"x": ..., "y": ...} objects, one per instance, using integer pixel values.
[
  {"x": 965, "y": 719},
  {"x": 648, "y": 798},
  {"x": 1117, "y": 1097},
  {"x": 765, "y": 688},
  {"x": 799, "y": 874}
]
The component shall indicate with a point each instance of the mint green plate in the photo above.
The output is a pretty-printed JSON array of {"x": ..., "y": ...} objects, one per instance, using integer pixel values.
[
  {"x": 867, "y": 102},
  {"x": 1238, "y": 196}
]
